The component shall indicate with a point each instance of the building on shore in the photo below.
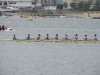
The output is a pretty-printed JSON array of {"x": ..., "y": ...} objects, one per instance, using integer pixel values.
[
  {"x": 48, "y": 2},
  {"x": 18, "y": 3},
  {"x": 59, "y": 1},
  {"x": 68, "y": 1},
  {"x": 76, "y": 1}
]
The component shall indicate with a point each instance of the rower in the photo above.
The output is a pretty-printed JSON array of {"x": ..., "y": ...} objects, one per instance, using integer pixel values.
[
  {"x": 65, "y": 38},
  {"x": 47, "y": 37},
  {"x": 95, "y": 38},
  {"x": 85, "y": 37},
  {"x": 56, "y": 37},
  {"x": 76, "y": 37},
  {"x": 28, "y": 37},
  {"x": 14, "y": 37},
  {"x": 3, "y": 27},
  {"x": 0, "y": 28},
  {"x": 38, "y": 37}
]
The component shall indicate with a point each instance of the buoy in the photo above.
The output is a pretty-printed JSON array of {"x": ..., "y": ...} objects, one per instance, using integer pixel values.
[{"x": 30, "y": 18}]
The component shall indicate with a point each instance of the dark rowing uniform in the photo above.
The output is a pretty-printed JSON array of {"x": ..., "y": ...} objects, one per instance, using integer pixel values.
[
  {"x": 95, "y": 38},
  {"x": 85, "y": 38},
  {"x": 56, "y": 37},
  {"x": 14, "y": 38},
  {"x": 47, "y": 37},
  {"x": 28, "y": 37}
]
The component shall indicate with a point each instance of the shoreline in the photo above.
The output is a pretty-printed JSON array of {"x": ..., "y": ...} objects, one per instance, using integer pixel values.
[{"x": 85, "y": 14}]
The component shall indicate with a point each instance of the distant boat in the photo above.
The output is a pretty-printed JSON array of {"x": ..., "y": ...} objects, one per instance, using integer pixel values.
[
  {"x": 4, "y": 16},
  {"x": 62, "y": 16},
  {"x": 9, "y": 9},
  {"x": 23, "y": 17},
  {"x": 30, "y": 18},
  {"x": 95, "y": 17},
  {"x": 41, "y": 16},
  {"x": 12, "y": 8},
  {"x": 8, "y": 29}
]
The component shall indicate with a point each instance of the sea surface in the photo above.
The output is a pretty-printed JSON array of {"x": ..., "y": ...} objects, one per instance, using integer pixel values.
[{"x": 50, "y": 58}]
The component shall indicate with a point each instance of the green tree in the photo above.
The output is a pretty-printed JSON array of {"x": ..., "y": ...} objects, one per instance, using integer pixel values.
[
  {"x": 87, "y": 5},
  {"x": 59, "y": 6},
  {"x": 73, "y": 5},
  {"x": 65, "y": 5},
  {"x": 97, "y": 7},
  {"x": 34, "y": 3},
  {"x": 0, "y": 13},
  {"x": 81, "y": 5},
  {"x": 97, "y": 3},
  {"x": 91, "y": 1}
]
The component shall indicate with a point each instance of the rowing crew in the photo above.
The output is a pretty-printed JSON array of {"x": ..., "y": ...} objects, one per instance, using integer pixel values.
[
  {"x": 66, "y": 37},
  {"x": 95, "y": 37},
  {"x": 56, "y": 37}
]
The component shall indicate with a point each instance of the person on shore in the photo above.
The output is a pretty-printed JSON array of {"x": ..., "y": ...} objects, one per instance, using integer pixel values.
[
  {"x": 38, "y": 37},
  {"x": 47, "y": 37},
  {"x": 28, "y": 37},
  {"x": 85, "y": 37},
  {"x": 56, "y": 37},
  {"x": 3, "y": 27},
  {"x": 21, "y": 15},
  {"x": 76, "y": 37},
  {"x": 14, "y": 37},
  {"x": 65, "y": 38},
  {"x": 95, "y": 37},
  {"x": 0, "y": 28}
]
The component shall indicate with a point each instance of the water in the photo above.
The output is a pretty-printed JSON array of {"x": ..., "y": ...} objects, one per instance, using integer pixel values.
[{"x": 49, "y": 58}]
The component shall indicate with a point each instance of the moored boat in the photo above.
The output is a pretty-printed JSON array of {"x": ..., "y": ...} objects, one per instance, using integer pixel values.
[
  {"x": 95, "y": 17},
  {"x": 8, "y": 28}
]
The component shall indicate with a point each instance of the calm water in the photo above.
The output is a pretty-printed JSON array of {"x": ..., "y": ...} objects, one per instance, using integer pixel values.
[{"x": 44, "y": 58}]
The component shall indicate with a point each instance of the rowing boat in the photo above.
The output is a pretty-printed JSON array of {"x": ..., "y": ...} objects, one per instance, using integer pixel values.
[{"x": 52, "y": 40}]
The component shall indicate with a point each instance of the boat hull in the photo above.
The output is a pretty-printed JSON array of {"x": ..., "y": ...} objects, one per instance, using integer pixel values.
[{"x": 42, "y": 40}]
